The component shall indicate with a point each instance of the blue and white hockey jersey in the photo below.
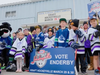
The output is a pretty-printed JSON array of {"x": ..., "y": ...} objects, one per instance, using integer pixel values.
[
  {"x": 61, "y": 38},
  {"x": 7, "y": 40},
  {"x": 39, "y": 39}
]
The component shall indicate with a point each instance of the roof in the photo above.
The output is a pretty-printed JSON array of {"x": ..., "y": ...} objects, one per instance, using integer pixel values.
[{"x": 17, "y": 3}]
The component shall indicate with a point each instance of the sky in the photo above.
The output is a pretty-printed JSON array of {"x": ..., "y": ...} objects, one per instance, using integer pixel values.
[{"x": 9, "y": 1}]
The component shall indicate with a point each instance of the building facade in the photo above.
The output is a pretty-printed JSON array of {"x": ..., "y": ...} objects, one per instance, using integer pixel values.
[{"x": 24, "y": 14}]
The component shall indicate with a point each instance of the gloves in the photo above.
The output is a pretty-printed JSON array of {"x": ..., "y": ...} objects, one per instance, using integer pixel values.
[
  {"x": 79, "y": 33},
  {"x": 96, "y": 34},
  {"x": 1, "y": 59},
  {"x": 38, "y": 48},
  {"x": 30, "y": 49},
  {"x": 3, "y": 44},
  {"x": 98, "y": 27},
  {"x": 36, "y": 41},
  {"x": 75, "y": 45},
  {"x": 32, "y": 40}
]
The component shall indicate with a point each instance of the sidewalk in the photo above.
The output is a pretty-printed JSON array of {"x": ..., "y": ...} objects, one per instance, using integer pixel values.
[{"x": 28, "y": 73}]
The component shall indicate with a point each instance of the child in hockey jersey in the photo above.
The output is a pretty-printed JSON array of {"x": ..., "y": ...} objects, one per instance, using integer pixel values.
[
  {"x": 62, "y": 35},
  {"x": 76, "y": 41},
  {"x": 88, "y": 54},
  {"x": 18, "y": 49},
  {"x": 49, "y": 41},
  {"x": 39, "y": 38},
  {"x": 93, "y": 36}
]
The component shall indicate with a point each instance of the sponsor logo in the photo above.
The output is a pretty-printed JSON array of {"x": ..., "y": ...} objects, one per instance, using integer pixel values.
[
  {"x": 41, "y": 58},
  {"x": 95, "y": 8}
]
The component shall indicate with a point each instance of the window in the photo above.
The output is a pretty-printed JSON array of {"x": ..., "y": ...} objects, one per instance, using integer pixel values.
[
  {"x": 10, "y": 14},
  {"x": 7, "y": 14},
  {"x": 13, "y": 13}
]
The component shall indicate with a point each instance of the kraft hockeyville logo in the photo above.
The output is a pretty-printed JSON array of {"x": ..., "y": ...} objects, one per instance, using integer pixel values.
[
  {"x": 95, "y": 8},
  {"x": 41, "y": 58}
]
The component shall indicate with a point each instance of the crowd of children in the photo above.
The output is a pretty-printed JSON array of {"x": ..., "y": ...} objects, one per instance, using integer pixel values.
[{"x": 84, "y": 40}]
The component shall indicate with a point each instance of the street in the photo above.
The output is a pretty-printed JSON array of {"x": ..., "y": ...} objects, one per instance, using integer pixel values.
[{"x": 28, "y": 73}]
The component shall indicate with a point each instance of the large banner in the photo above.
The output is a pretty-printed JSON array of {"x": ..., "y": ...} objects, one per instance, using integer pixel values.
[
  {"x": 93, "y": 8},
  {"x": 53, "y": 61},
  {"x": 55, "y": 15}
]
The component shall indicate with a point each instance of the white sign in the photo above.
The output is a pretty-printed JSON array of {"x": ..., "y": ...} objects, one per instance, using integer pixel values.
[{"x": 50, "y": 16}]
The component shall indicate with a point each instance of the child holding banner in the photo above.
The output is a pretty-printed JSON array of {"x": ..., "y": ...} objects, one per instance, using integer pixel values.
[
  {"x": 62, "y": 35},
  {"x": 76, "y": 41},
  {"x": 49, "y": 41}
]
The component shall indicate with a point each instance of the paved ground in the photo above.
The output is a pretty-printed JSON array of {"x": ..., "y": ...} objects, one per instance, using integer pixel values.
[{"x": 28, "y": 73}]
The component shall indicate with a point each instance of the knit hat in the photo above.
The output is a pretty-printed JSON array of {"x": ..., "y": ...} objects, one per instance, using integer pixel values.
[
  {"x": 75, "y": 22},
  {"x": 69, "y": 21},
  {"x": 32, "y": 28},
  {"x": 50, "y": 30},
  {"x": 85, "y": 22}
]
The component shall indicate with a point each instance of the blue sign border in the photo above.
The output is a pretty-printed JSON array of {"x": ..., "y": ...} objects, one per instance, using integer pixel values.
[{"x": 54, "y": 65}]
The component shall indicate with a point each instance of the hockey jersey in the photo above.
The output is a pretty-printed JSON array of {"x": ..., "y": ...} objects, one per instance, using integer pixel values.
[
  {"x": 87, "y": 42},
  {"x": 39, "y": 39},
  {"x": 95, "y": 42},
  {"x": 18, "y": 48},
  {"x": 74, "y": 38},
  {"x": 45, "y": 35},
  {"x": 61, "y": 38},
  {"x": 7, "y": 40},
  {"x": 49, "y": 42}
]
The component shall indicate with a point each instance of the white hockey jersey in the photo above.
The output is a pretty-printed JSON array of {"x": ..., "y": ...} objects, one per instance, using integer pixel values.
[
  {"x": 18, "y": 48},
  {"x": 73, "y": 38},
  {"x": 49, "y": 42},
  {"x": 95, "y": 42}
]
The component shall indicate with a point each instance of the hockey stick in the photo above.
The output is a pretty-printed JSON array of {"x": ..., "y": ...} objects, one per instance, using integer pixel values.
[
  {"x": 75, "y": 58},
  {"x": 32, "y": 38}
]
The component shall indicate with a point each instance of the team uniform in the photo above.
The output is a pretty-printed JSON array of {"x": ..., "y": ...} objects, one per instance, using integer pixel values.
[
  {"x": 18, "y": 48},
  {"x": 61, "y": 38},
  {"x": 39, "y": 39},
  {"x": 45, "y": 35},
  {"x": 4, "y": 48},
  {"x": 76, "y": 41},
  {"x": 7, "y": 40},
  {"x": 73, "y": 38},
  {"x": 95, "y": 41},
  {"x": 49, "y": 42},
  {"x": 93, "y": 36}
]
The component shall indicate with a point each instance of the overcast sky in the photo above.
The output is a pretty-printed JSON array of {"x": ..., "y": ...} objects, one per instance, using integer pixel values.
[{"x": 9, "y": 1}]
